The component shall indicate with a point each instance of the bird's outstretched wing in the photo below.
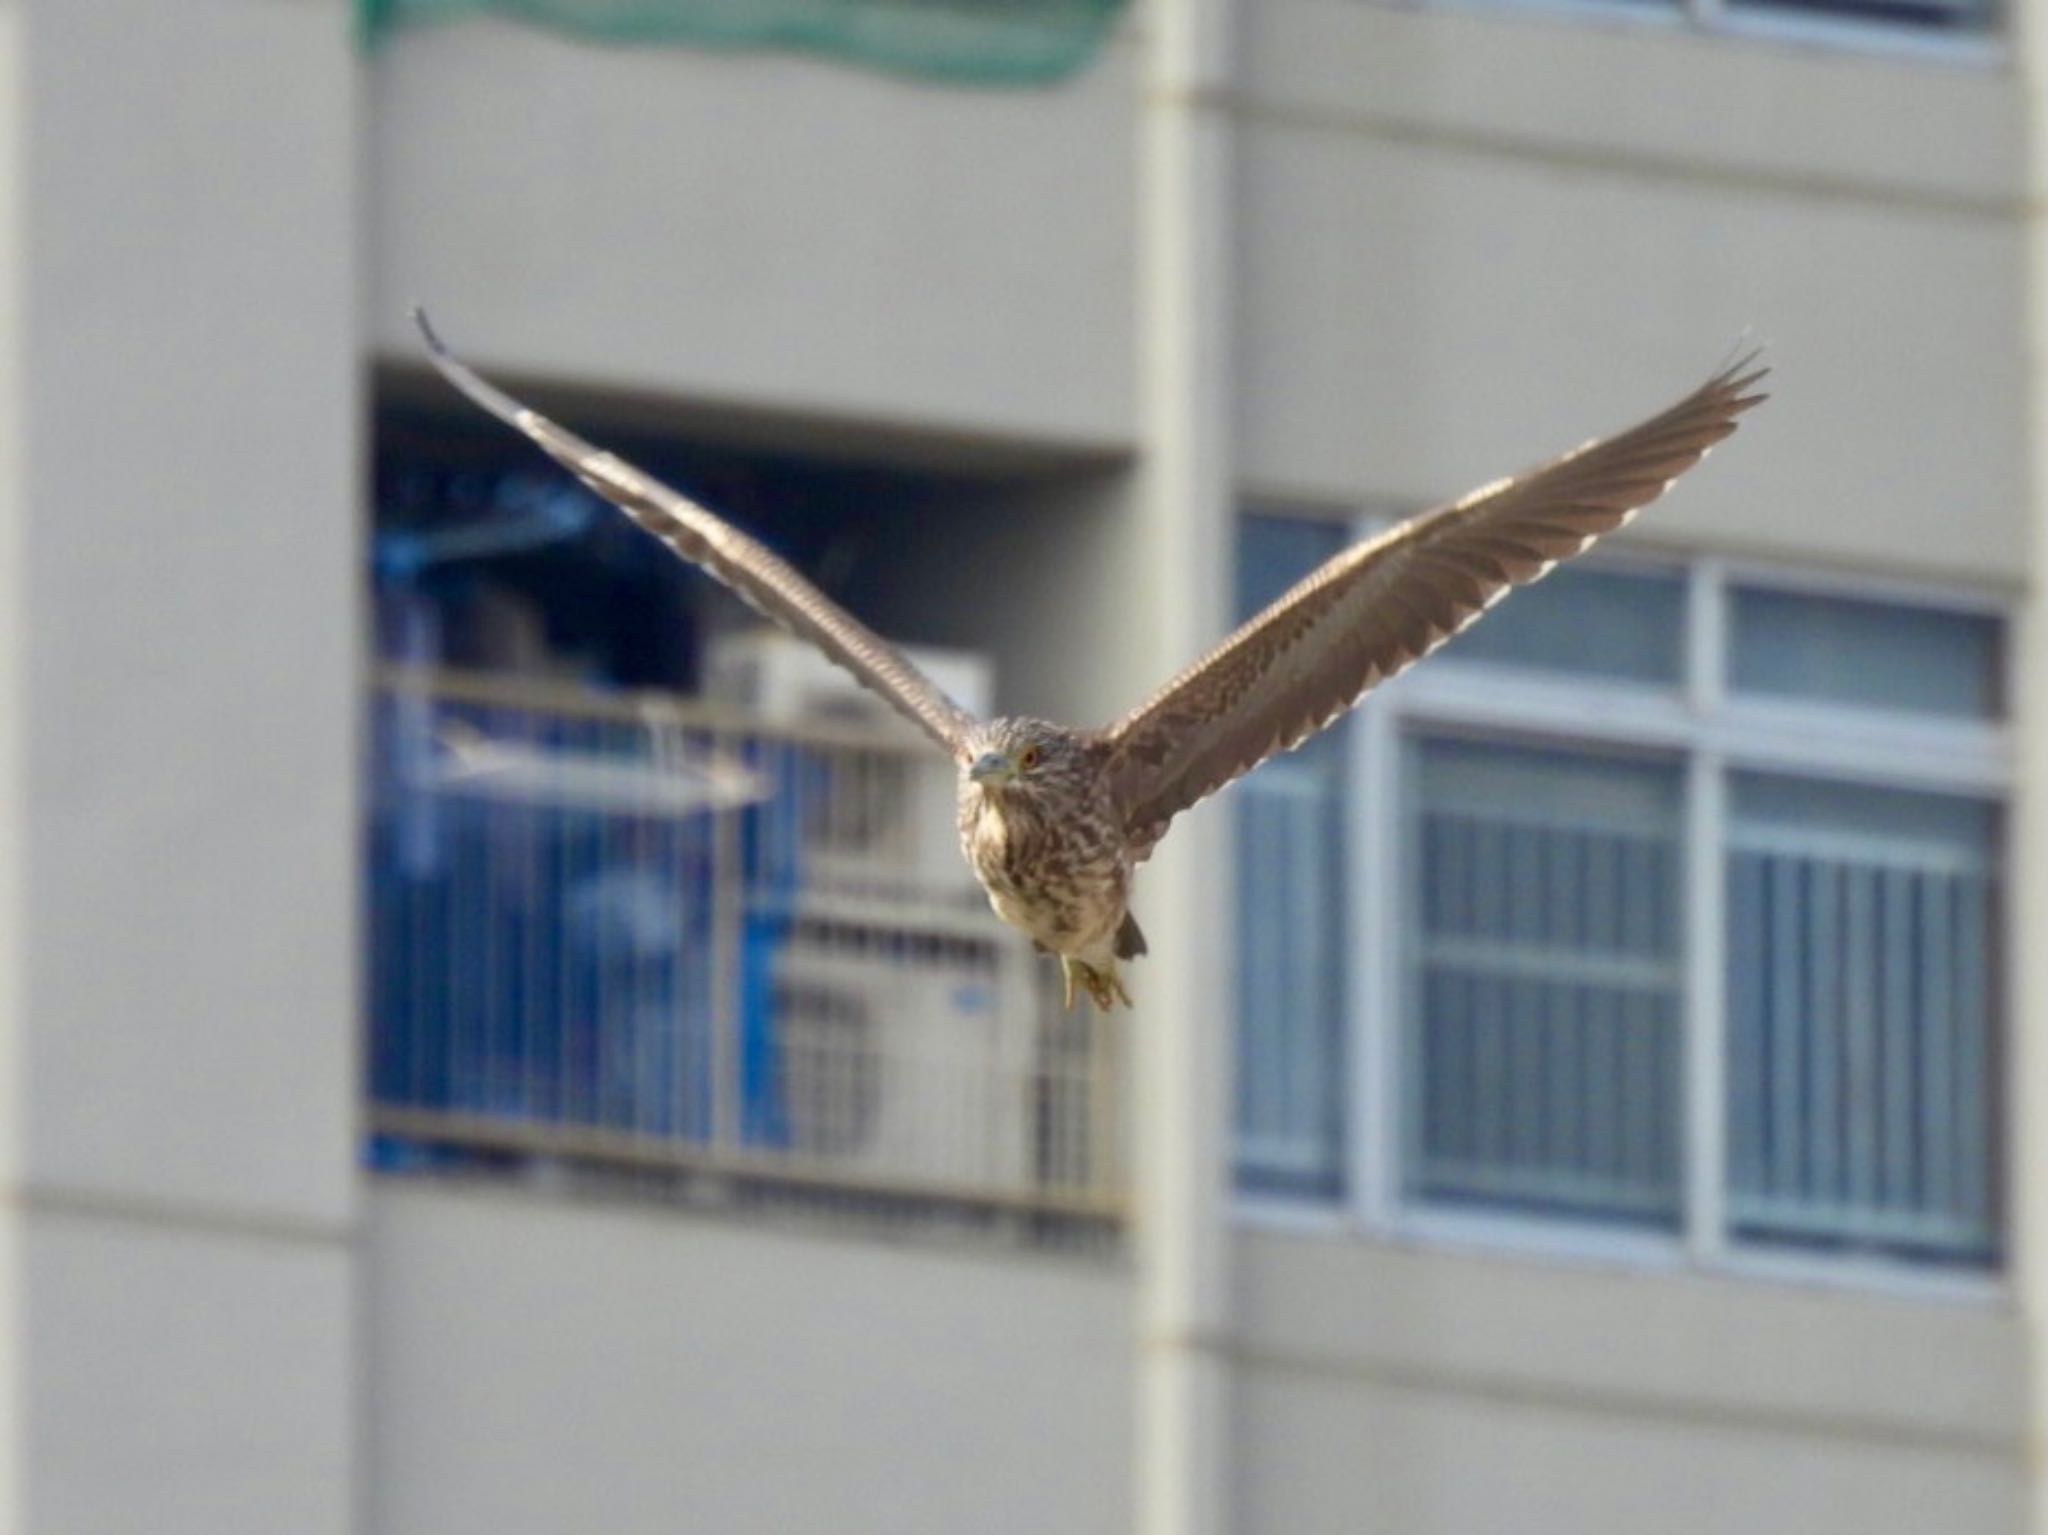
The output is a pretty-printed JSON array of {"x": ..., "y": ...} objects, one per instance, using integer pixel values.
[
  {"x": 1379, "y": 607},
  {"x": 761, "y": 576}
]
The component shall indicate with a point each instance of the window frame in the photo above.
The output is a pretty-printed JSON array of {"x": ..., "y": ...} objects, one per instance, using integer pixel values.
[
  {"x": 1981, "y": 48},
  {"x": 1709, "y": 736}
]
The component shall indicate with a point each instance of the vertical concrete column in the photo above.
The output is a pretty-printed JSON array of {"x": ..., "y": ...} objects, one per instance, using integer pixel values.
[
  {"x": 1187, "y": 521},
  {"x": 2026, "y": 1086},
  {"x": 179, "y": 496}
]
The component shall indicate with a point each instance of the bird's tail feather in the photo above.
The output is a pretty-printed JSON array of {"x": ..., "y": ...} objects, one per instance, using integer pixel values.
[{"x": 1130, "y": 938}]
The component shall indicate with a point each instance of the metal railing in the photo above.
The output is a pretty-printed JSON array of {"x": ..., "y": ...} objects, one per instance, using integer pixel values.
[
  {"x": 1546, "y": 991},
  {"x": 656, "y": 936},
  {"x": 1861, "y": 1060}
]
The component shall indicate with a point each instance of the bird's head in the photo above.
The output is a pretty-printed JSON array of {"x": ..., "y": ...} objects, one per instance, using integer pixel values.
[{"x": 1025, "y": 758}]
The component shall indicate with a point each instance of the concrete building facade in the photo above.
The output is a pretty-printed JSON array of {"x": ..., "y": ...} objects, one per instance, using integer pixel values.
[{"x": 1312, "y": 261}]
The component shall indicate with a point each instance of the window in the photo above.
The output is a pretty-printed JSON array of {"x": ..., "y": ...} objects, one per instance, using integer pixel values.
[
  {"x": 1597, "y": 623},
  {"x": 1291, "y": 830},
  {"x": 1543, "y": 984},
  {"x": 1859, "y": 1016},
  {"x": 1935, "y": 17},
  {"x": 1874, "y": 654},
  {"x": 1663, "y": 906},
  {"x": 1956, "y": 28}
]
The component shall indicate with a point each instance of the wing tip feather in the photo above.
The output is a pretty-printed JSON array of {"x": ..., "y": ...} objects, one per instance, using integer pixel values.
[
  {"x": 1735, "y": 381},
  {"x": 467, "y": 380},
  {"x": 425, "y": 326}
]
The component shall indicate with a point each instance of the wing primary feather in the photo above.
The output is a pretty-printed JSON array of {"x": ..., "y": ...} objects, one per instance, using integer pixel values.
[
  {"x": 766, "y": 581},
  {"x": 1370, "y": 612},
  {"x": 462, "y": 376}
]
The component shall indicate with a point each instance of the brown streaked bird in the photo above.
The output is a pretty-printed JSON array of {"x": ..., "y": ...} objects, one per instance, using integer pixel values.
[{"x": 1054, "y": 820}]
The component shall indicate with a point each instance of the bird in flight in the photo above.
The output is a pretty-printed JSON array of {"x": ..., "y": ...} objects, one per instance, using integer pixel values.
[{"x": 1053, "y": 820}]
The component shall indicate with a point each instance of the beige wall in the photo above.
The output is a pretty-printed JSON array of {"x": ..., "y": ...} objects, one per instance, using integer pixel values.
[
  {"x": 537, "y": 1365},
  {"x": 1464, "y": 240},
  {"x": 1472, "y": 239},
  {"x": 179, "y": 545},
  {"x": 191, "y": 545},
  {"x": 1385, "y": 1391},
  {"x": 178, "y": 1378},
  {"x": 762, "y": 229}
]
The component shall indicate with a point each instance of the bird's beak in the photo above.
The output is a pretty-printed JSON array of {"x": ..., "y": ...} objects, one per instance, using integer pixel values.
[{"x": 993, "y": 768}]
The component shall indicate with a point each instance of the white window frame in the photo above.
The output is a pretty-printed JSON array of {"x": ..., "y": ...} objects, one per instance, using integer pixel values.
[
  {"x": 1708, "y": 737},
  {"x": 1979, "y": 49}
]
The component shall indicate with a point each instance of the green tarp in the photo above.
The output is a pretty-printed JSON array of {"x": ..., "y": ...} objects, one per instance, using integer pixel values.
[{"x": 986, "y": 42}]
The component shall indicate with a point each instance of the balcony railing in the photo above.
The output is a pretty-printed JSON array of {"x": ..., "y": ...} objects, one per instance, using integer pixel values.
[{"x": 650, "y": 936}]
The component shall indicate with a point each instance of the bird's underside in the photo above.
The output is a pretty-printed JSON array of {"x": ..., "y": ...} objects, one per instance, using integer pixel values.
[{"x": 1053, "y": 821}]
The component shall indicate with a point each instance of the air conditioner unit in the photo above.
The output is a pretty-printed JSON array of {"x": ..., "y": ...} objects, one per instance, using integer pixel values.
[
  {"x": 908, "y": 1054},
  {"x": 872, "y": 821}
]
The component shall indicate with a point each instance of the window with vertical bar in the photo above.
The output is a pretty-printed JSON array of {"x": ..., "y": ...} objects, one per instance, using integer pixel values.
[
  {"x": 1543, "y": 977},
  {"x": 1860, "y": 1063},
  {"x": 1569, "y": 928},
  {"x": 1292, "y": 900}
]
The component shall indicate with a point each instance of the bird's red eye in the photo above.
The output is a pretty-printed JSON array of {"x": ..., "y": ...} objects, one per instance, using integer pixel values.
[{"x": 1028, "y": 758}]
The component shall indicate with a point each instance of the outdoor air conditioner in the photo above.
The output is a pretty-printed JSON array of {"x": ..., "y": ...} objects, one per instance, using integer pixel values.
[
  {"x": 871, "y": 821},
  {"x": 908, "y": 1055}
]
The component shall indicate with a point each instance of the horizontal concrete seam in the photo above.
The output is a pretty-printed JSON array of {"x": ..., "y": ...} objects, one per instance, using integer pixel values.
[
  {"x": 89, "y": 1204},
  {"x": 1196, "y": 97},
  {"x": 1634, "y": 165},
  {"x": 918, "y": 432},
  {"x": 1610, "y": 1403},
  {"x": 1187, "y": 1340},
  {"x": 650, "y": 1218}
]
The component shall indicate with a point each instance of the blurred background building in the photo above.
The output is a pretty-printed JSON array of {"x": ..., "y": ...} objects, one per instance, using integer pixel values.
[{"x": 490, "y": 1044}]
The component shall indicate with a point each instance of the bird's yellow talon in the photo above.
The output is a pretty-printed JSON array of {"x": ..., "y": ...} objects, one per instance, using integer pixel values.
[{"x": 1103, "y": 986}]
